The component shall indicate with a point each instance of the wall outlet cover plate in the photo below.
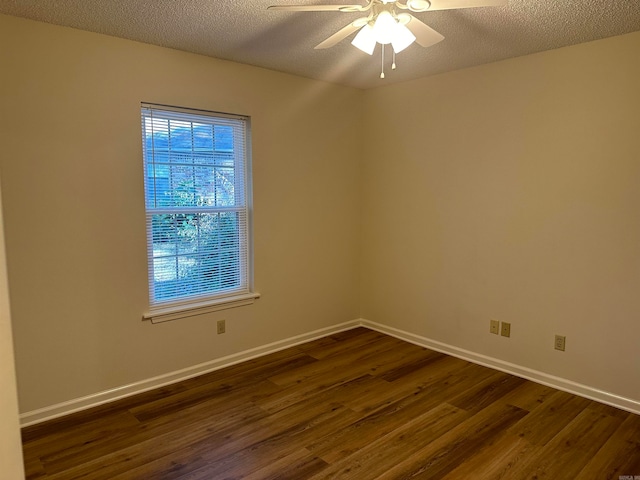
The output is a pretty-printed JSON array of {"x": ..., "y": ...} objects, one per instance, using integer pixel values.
[{"x": 506, "y": 329}]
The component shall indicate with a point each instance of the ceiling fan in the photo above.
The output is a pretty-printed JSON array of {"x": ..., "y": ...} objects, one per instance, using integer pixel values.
[{"x": 387, "y": 22}]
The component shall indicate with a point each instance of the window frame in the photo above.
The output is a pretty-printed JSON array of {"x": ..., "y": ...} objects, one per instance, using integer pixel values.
[{"x": 196, "y": 304}]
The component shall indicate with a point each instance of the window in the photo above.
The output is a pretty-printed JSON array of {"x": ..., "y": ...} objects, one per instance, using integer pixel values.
[{"x": 197, "y": 205}]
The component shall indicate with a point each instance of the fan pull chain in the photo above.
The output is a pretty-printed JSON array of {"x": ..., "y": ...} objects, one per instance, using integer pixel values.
[
  {"x": 393, "y": 64},
  {"x": 382, "y": 73}
]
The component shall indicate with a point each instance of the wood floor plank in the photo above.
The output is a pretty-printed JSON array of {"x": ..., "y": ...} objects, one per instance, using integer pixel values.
[
  {"x": 486, "y": 392},
  {"x": 349, "y": 341},
  {"x": 378, "y": 394},
  {"x": 226, "y": 392},
  {"x": 619, "y": 456},
  {"x": 529, "y": 396},
  {"x": 319, "y": 385},
  {"x": 301, "y": 464},
  {"x": 359, "y": 359},
  {"x": 496, "y": 460},
  {"x": 353, "y": 405},
  {"x": 349, "y": 440},
  {"x": 197, "y": 421},
  {"x": 260, "y": 455},
  {"x": 223, "y": 449},
  {"x": 163, "y": 437},
  {"x": 237, "y": 457},
  {"x": 321, "y": 343},
  {"x": 88, "y": 434},
  {"x": 375, "y": 458},
  {"x": 33, "y": 468},
  {"x": 566, "y": 454},
  {"x": 398, "y": 366},
  {"x": 447, "y": 367},
  {"x": 545, "y": 422},
  {"x": 445, "y": 453}
]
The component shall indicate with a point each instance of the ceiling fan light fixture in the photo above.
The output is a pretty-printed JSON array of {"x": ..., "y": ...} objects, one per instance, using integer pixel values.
[
  {"x": 402, "y": 38},
  {"x": 384, "y": 27},
  {"x": 384, "y": 23},
  {"x": 365, "y": 40}
]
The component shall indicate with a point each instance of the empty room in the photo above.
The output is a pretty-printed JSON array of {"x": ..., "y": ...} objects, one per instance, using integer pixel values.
[{"x": 317, "y": 240}]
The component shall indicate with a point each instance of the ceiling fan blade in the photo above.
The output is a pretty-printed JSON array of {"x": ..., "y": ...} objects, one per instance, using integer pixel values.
[
  {"x": 425, "y": 35},
  {"x": 451, "y": 4},
  {"x": 341, "y": 34},
  {"x": 319, "y": 8}
]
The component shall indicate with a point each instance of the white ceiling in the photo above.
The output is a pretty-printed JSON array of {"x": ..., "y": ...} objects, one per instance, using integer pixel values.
[{"x": 246, "y": 32}]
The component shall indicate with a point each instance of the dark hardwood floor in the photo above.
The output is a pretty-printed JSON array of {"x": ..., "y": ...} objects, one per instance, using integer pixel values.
[{"x": 354, "y": 405}]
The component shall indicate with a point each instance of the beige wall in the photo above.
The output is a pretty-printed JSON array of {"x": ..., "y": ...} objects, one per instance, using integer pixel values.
[
  {"x": 73, "y": 197},
  {"x": 510, "y": 191},
  {"x": 507, "y": 191},
  {"x": 10, "y": 446}
]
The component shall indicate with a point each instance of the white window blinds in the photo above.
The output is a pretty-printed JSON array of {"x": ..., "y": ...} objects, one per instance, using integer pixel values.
[{"x": 195, "y": 167}]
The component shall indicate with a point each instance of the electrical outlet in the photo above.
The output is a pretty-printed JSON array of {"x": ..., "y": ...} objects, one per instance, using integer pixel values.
[
  {"x": 495, "y": 327},
  {"x": 506, "y": 329},
  {"x": 560, "y": 342},
  {"x": 221, "y": 327}
]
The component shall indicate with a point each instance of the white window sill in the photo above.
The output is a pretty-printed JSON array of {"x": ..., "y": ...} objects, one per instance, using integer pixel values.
[{"x": 174, "y": 312}]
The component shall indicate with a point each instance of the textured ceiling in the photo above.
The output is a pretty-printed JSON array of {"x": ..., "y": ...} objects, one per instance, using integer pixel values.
[{"x": 246, "y": 32}]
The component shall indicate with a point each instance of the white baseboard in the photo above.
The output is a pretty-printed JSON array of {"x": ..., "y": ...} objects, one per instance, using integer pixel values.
[
  {"x": 76, "y": 405},
  {"x": 94, "y": 400},
  {"x": 569, "y": 386}
]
